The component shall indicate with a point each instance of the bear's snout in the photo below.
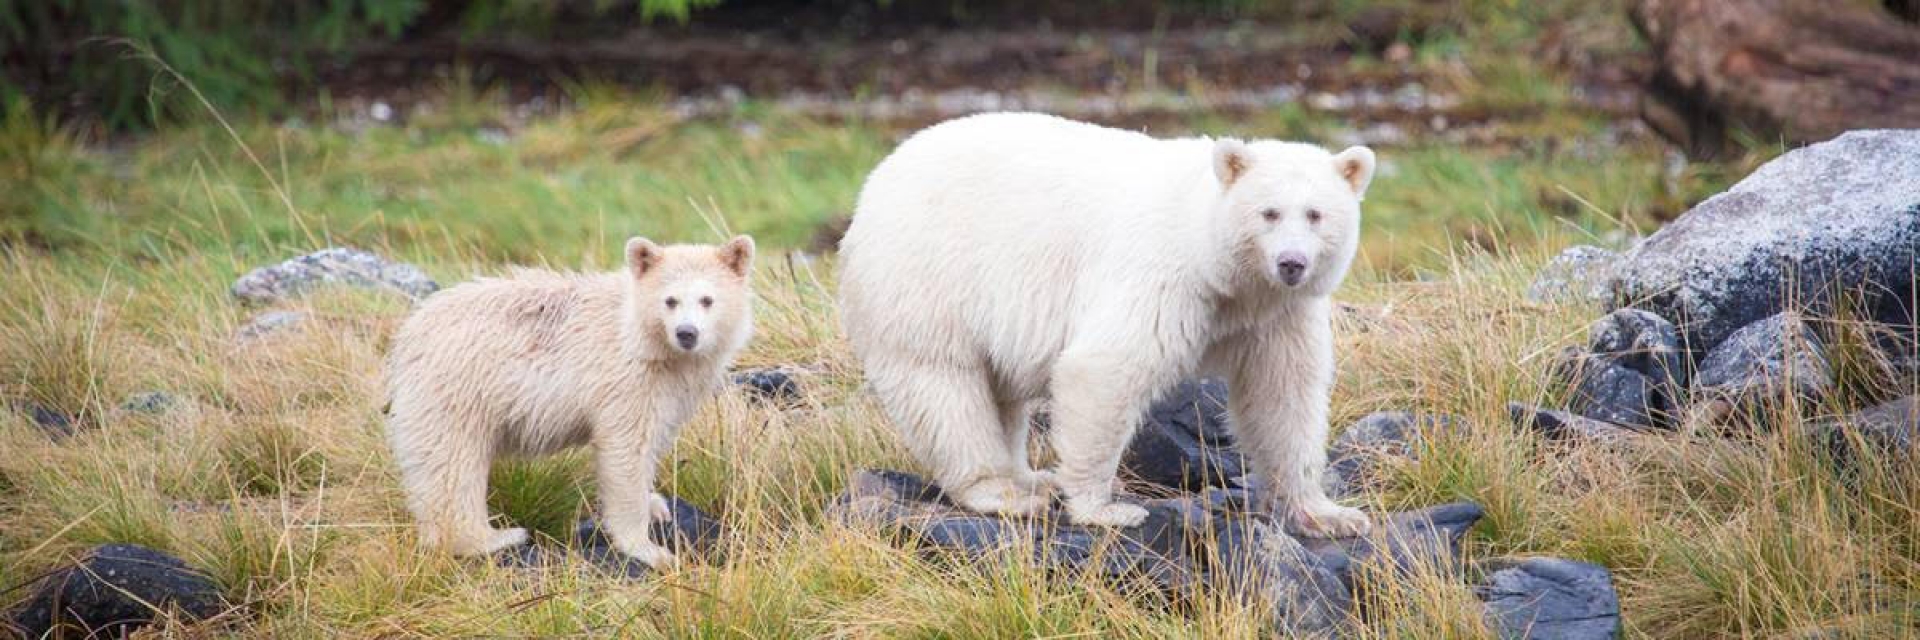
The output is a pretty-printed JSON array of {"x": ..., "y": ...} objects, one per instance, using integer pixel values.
[
  {"x": 1292, "y": 267},
  {"x": 687, "y": 336}
]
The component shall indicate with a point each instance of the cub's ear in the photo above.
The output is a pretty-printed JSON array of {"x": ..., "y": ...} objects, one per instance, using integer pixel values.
[
  {"x": 1231, "y": 158},
  {"x": 642, "y": 256},
  {"x": 1355, "y": 165},
  {"x": 737, "y": 255}
]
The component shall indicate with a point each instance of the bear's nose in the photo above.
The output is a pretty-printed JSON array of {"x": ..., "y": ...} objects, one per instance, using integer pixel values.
[
  {"x": 1291, "y": 267},
  {"x": 686, "y": 335}
]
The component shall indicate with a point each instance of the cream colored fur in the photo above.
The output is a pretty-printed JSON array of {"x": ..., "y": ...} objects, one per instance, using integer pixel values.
[
  {"x": 541, "y": 361},
  {"x": 998, "y": 259}
]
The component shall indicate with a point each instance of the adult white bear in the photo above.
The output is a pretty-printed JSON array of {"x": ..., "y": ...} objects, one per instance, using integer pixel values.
[{"x": 997, "y": 259}]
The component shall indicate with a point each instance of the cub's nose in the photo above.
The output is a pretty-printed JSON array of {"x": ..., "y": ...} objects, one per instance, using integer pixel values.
[
  {"x": 1292, "y": 267},
  {"x": 686, "y": 335}
]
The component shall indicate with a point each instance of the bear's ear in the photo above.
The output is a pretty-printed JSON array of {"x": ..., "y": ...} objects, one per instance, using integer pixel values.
[
  {"x": 737, "y": 255},
  {"x": 642, "y": 256},
  {"x": 1355, "y": 165},
  {"x": 1231, "y": 158}
]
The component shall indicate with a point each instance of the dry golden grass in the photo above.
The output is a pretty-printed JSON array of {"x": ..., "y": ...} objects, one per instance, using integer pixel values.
[{"x": 277, "y": 481}]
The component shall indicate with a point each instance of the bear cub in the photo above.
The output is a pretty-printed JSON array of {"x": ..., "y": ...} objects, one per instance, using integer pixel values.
[{"x": 540, "y": 361}]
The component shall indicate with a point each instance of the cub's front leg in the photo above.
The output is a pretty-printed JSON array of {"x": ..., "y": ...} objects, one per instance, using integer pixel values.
[
  {"x": 628, "y": 443},
  {"x": 1280, "y": 380}
]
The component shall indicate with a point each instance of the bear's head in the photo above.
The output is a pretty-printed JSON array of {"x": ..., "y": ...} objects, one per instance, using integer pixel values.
[
  {"x": 690, "y": 299},
  {"x": 1292, "y": 210}
]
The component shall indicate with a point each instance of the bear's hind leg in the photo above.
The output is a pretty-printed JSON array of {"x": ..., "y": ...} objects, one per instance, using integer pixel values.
[
  {"x": 446, "y": 485},
  {"x": 948, "y": 417},
  {"x": 1015, "y": 425}
]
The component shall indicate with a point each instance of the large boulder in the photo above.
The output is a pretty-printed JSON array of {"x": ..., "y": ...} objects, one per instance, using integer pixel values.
[
  {"x": 113, "y": 590},
  {"x": 1838, "y": 215},
  {"x": 337, "y": 265}
]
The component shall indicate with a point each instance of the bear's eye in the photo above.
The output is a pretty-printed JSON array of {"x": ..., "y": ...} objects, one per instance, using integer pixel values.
[
  {"x": 1313, "y": 215},
  {"x": 673, "y": 302},
  {"x": 706, "y": 302},
  {"x": 1270, "y": 215}
]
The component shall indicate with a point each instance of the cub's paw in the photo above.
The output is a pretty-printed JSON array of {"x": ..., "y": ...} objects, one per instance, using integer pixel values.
[
  {"x": 1110, "y": 514},
  {"x": 1325, "y": 519},
  {"x": 661, "y": 510},
  {"x": 1005, "y": 497}
]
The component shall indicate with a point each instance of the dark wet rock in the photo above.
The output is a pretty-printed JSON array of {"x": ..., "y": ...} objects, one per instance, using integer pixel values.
[
  {"x": 1601, "y": 389},
  {"x": 1582, "y": 273},
  {"x": 691, "y": 535},
  {"x": 337, "y": 265},
  {"x": 1423, "y": 539},
  {"x": 769, "y": 384},
  {"x": 1891, "y": 429},
  {"x": 56, "y": 424},
  {"x": 1644, "y": 343},
  {"x": 1209, "y": 540},
  {"x": 151, "y": 402},
  {"x": 1358, "y": 454},
  {"x": 1184, "y": 441},
  {"x": 113, "y": 590},
  {"x": 1839, "y": 215},
  {"x": 269, "y": 323},
  {"x": 1762, "y": 362},
  {"x": 1550, "y": 599},
  {"x": 1257, "y": 559},
  {"x": 1561, "y": 425}
]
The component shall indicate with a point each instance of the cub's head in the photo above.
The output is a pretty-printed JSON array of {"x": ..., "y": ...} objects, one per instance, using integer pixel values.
[
  {"x": 691, "y": 299},
  {"x": 1292, "y": 210}
]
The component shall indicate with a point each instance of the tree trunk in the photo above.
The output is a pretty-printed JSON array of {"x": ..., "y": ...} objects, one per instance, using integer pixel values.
[{"x": 1795, "y": 70}]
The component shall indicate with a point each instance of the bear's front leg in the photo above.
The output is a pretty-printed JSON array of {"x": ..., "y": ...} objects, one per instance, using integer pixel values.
[
  {"x": 1098, "y": 399},
  {"x": 626, "y": 455},
  {"x": 1280, "y": 380}
]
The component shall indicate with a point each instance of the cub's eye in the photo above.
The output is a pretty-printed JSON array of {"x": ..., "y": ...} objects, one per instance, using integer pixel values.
[
  {"x": 673, "y": 302},
  {"x": 706, "y": 302},
  {"x": 1313, "y": 215},
  {"x": 1270, "y": 215}
]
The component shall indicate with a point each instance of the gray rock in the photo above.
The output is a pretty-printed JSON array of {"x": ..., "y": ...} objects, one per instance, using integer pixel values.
[
  {"x": 113, "y": 590},
  {"x": 268, "y": 323},
  {"x": 768, "y": 384},
  {"x": 1407, "y": 541},
  {"x": 1762, "y": 362},
  {"x": 53, "y": 422},
  {"x": 150, "y": 402},
  {"x": 691, "y": 534},
  {"x": 1582, "y": 273},
  {"x": 1184, "y": 441},
  {"x": 1209, "y": 540},
  {"x": 1890, "y": 429},
  {"x": 1561, "y": 425},
  {"x": 337, "y": 265},
  {"x": 1844, "y": 212},
  {"x": 1600, "y": 388},
  {"x": 1643, "y": 343},
  {"x": 1358, "y": 454},
  {"x": 1551, "y": 599}
]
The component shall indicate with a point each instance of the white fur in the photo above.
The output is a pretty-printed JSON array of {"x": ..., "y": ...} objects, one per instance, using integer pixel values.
[
  {"x": 542, "y": 361},
  {"x": 997, "y": 259}
]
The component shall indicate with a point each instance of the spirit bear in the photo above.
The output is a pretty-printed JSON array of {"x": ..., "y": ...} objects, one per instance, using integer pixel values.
[
  {"x": 541, "y": 361},
  {"x": 997, "y": 259}
]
